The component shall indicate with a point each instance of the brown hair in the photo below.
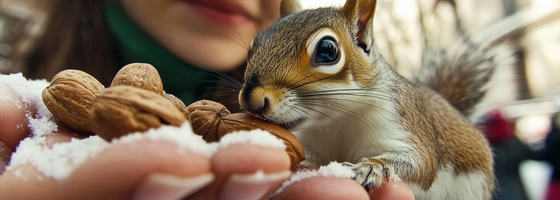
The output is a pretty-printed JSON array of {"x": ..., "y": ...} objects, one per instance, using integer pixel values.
[{"x": 76, "y": 37}]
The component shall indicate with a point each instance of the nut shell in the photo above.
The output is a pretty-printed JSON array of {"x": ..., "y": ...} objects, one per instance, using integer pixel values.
[
  {"x": 245, "y": 121},
  {"x": 139, "y": 75},
  {"x": 70, "y": 97},
  {"x": 206, "y": 117},
  {"x": 125, "y": 109},
  {"x": 180, "y": 105}
]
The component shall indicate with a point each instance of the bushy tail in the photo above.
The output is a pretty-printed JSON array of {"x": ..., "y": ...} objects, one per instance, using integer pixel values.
[{"x": 472, "y": 77}]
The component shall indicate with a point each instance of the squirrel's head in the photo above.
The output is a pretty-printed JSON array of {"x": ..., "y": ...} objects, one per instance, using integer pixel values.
[{"x": 308, "y": 51}]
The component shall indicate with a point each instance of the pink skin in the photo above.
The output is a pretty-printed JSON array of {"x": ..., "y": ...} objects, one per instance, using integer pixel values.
[
  {"x": 117, "y": 171},
  {"x": 212, "y": 34},
  {"x": 328, "y": 188}
]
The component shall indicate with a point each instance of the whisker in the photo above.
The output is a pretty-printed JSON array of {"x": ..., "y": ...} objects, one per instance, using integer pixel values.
[
  {"x": 321, "y": 124},
  {"x": 243, "y": 41},
  {"x": 242, "y": 46},
  {"x": 224, "y": 77},
  {"x": 330, "y": 91},
  {"x": 369, "y": 92},
  {"x": 293, "y": 86},
  {"x": 233, "y": 102},
  {"x": 338, "y": 90},
  {"x": 333, "y": 100},
  {"x": 298, "y": 84},
  {"x": 376, "y": 96},
  {"x": 230, "y": 84},
  {"x": 338, "y": 108},
  {"x": 292, "y": 115},
  {"x": 256, "y": 30},
  {"x": 283, "y": 81},
  {"x": 230, "y": 90},
  {"x": 341, "y": 109}
]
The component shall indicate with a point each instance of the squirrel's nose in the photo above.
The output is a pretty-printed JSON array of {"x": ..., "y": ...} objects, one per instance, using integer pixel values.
[
  {"x": 257, "y": 106},
  {"x": 255, "y": 101},
  {"x": 261, "y": 108}
]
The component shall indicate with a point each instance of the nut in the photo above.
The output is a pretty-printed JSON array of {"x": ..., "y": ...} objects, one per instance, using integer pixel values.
[
  {"x": 139, "y": 75},
  {"x": 125, "y": 109},
  {"x": 182, "y": 107},
  {"x": 206, "y": 117},
  {"x": 245, "y": 121},
  {"x": 70, "y": 97},
  {"x": 212, "y": 120}
]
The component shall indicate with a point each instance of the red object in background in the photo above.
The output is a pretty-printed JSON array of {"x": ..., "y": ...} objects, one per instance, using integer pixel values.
[
  {"x": 497, "y": 128},
  {"x": 553, "y": 191}
]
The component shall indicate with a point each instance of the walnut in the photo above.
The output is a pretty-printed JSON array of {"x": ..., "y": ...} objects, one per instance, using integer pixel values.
[
  {"x": 212, "y": 120},
  {"x": 245, "y": 121},
  {"x": 70, "y": 97},
  {"x": 125, "y": 109},
  {"x": 139, "y": 75},
  {"x": 180, "y": 105},
  {"x": 206, "y": 118}
]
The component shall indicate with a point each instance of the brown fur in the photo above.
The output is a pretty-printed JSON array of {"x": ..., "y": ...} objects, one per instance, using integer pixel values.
[
  {"x": 446, "y": 137},
  {"x": 441, "y": 74},
  {"x": 441, "y": 138}
]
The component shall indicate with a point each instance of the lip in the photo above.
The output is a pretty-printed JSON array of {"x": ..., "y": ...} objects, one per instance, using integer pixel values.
[{"x": 222, "y": 12}]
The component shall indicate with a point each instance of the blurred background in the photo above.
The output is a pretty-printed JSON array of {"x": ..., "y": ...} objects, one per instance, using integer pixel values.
[{"x": 524, "y": 133}]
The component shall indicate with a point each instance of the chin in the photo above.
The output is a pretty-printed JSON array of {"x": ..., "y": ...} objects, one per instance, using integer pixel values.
[{"x": 218, "y": 56}]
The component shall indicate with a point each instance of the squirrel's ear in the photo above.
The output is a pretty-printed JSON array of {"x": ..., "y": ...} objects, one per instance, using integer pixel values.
[
  {"x": 360, "y": 13},
  {"x": 289, "y": 6}
]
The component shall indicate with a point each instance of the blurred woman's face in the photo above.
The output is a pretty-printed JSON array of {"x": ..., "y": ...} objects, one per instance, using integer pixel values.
[{"x": 211, "y": 34}]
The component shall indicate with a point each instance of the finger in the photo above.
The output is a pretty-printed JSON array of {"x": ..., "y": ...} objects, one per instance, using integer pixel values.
[
  {"x": 245, "y": 170},
  {"x": 17, "y": 110},
  {"x": 12, "y": 118},
  {"x": 5, "y": 153},
  {"x": 141, "y": 169},
  {"x": 22, "y": 110},
  {"x": 392, "y": 190},
  {"x": 13, "y": 125},
  {"x": 322, "y": 187}
]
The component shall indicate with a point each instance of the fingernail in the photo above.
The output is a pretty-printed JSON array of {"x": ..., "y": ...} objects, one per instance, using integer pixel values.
[
  {"x": 170, "y": 187},
  {"x": 252, "y": 186}
]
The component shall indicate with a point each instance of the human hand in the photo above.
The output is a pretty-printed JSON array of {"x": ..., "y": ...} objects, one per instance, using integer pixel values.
[{"x": 122, "y": 170}]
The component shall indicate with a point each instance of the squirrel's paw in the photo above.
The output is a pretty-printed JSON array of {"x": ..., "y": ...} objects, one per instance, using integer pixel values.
[{"x": 370, "y": 172}]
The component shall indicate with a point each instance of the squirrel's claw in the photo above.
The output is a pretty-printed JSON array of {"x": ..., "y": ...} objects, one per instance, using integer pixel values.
[{"x": 370, "y": 172}]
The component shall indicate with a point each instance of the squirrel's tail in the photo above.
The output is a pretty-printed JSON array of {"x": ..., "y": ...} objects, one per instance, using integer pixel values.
[{"x": 473, "y": 78}]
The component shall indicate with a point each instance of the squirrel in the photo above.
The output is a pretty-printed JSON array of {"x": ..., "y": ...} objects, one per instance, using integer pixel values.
[{"x": 319, "y": 74}]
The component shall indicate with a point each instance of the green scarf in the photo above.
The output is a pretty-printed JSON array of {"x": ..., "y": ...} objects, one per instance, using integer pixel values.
[{"x": 187, "y": 82}]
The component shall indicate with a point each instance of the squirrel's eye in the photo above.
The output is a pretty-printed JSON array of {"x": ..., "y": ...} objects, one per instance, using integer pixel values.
[{"x": 327, "y": 51}]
